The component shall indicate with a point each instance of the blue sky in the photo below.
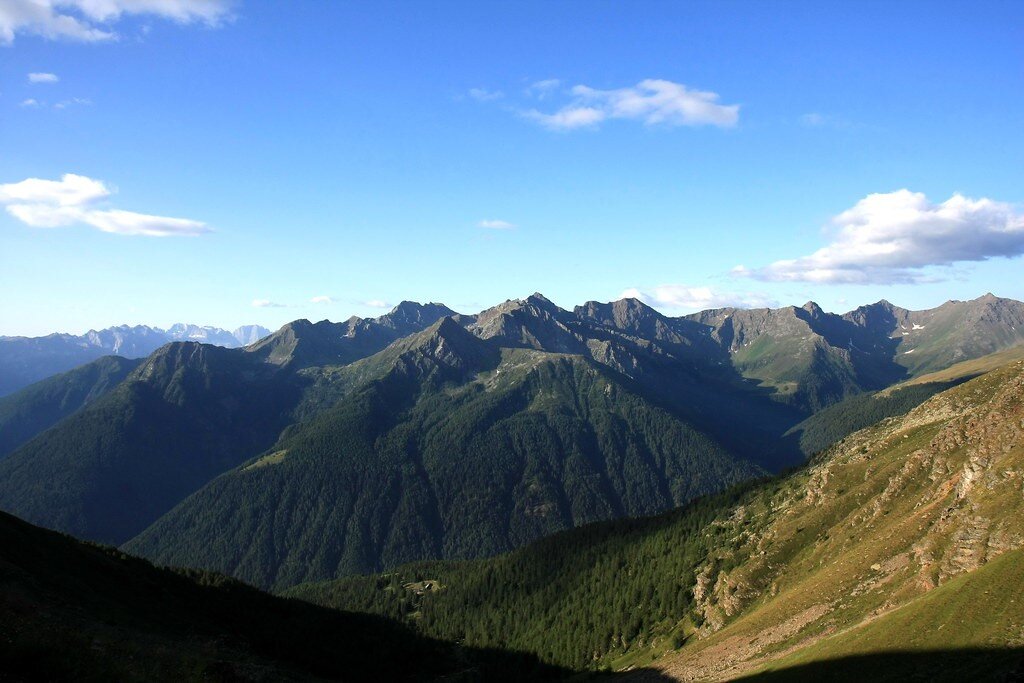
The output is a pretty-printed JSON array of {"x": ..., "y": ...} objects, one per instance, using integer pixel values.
[{"x": 353, "y": 153}]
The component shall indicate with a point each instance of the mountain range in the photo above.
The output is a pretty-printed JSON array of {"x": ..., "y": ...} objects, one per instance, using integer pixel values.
[
  {"x": 499, "y": 470},
  {"x": 327, "y": 449},
  {"x": 894, "y": 553},
  {"x": 25, "y": 360}
]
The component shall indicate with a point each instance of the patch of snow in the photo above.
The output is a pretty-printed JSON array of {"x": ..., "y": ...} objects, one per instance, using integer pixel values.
[
  {"x": 907, "y": 353},
  {"x": 906, "y": 334},
  {"x": 918, "y": 327}
]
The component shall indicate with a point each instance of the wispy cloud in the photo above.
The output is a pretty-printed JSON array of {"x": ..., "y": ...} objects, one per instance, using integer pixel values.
[
  {"x": 651, "y": 101},
  {"x": 685, "y": 298},
  {"x": 892, "y": 237},
  {"x": 39, "y": 77},
  {"x": 484, "y": 95},
  {"x": 377, "y": 303},
  {"x": 812, "y": 119},
  {"x": 91, "y": 20},
  {"x": 818, "y": 120},
  {"x": 73, "y": 102},
  {"x": 266, "y": 303},
  {"x": 72, "y": 200},
  {"x": 322, "y": 299},
  {"x": 33, "y": 103},
  {"x": 494, "y": 224},
  {"x": 541, "y": 89}
]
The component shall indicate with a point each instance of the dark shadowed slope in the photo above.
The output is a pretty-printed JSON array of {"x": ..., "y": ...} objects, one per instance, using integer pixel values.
[{"x": 76, "y": 612}]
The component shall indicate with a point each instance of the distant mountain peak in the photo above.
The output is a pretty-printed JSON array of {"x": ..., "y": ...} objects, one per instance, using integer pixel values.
[
  {"x": 406, "y": 308},
  {"x": 988, "y": 297},
  {"x": 812, "y": 308},
  {"x": 625, "y": 314},
  {"x": 538, "y": 299}
]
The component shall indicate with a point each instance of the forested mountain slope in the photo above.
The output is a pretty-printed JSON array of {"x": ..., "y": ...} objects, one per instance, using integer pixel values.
[
  {"x": 38, "y": 407},
  {"x": 186, "y": 414},
  {"x": 462, "y": 449},
  {"x": 858, "y": 549}
]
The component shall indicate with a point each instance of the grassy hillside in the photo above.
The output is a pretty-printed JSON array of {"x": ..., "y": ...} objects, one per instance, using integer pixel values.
[
  {"x": 971, "y": 628},
  {"x": 875, "y": 525},
  {"x": 893, "y": 512},
  {"x": 74, "y": 611},
  {"x": 425, "y": 464},
  {"x": 966, "y": 369}
]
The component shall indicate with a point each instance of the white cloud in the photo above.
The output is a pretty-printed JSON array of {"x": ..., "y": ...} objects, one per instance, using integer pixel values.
[
  {"x": 812, "y": 119},
  {"x": 683, "y": 298},
  {"x": 38, "y": 77},
  {"x": 568, "y": 118},
  {"x": 377, "y": 303},
  {"x": 70, "y": 201},
  {"x": 90, "y": 20},
  {"x": 266, "y": 303},
  {"x": 541, "y": 89},
  {"x": 30, "y": 102},
  {"x": 323, "y": 299},
  {"x": 484, "y": 95},
  {"x": 889, "y": 238},
  {"x": 494, "y": 224},
  {"x": 70, "y": 190},
  {"x": 652, "y": 101}
]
